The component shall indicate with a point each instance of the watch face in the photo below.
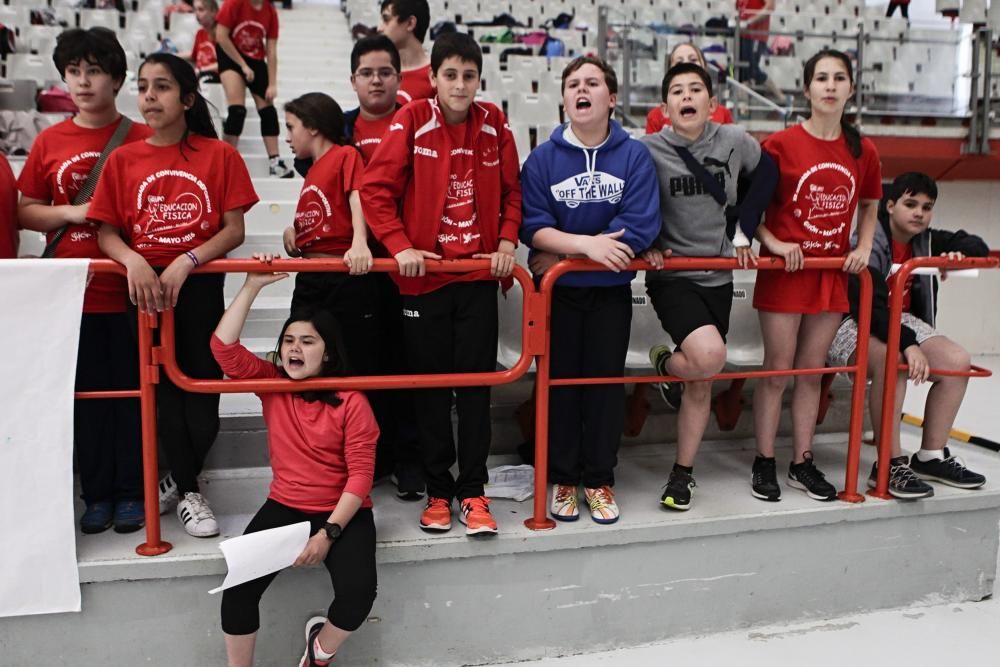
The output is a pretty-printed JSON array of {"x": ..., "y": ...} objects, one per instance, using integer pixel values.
[{"x": 332, "y": 530}]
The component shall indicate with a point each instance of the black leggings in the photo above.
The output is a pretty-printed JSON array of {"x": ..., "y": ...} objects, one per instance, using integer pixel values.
[{"x": 351, "y": 563}]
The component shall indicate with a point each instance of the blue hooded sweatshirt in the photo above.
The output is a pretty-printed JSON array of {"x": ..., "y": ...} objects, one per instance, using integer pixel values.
[{"x": 592, "y": 191}]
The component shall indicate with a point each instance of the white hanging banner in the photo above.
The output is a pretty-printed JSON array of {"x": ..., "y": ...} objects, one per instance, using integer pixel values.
[{"x": 40, "y": 305}]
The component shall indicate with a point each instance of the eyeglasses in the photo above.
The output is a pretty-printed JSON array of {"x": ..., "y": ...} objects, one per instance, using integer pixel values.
[{"x": 383, "y": 73}]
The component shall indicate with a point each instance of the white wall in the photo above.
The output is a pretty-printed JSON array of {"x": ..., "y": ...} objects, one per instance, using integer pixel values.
[{"x": 969, "y": 310}]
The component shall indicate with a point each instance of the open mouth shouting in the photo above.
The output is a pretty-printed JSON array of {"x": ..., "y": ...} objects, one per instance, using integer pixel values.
[
  {"x": 688, "y": 111},
  {"x": 583, "y": 103},
  {"x": 295, "y": 362}
]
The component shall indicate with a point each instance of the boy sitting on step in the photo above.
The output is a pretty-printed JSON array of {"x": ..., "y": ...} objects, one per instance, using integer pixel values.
[{"x": 903, "y": 233}]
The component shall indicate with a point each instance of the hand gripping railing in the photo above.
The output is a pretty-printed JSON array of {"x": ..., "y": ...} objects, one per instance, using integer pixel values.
[
  {"x": 540, "y": 521},
  {"x": 892, "y": 367},
  {"x": 532, "y": 341}
]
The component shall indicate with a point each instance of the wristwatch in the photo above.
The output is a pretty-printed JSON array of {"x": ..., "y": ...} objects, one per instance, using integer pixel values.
[{"x": 333, "y": 531}]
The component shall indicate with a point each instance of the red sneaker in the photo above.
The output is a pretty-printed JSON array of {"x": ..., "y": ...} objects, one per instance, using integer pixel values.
[
  {"x": 476, "y": 516},
  {"x": 436, "y": 515}
]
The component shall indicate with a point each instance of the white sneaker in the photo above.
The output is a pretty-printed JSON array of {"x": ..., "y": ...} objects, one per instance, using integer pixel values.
[
  {"x": 603, "y": 508},
  {"x": 196, "y": 516},
  {"x": 168, "y": 494},
  {"x": 278, "y": 168},
  {"x": 564, "y": 505}
]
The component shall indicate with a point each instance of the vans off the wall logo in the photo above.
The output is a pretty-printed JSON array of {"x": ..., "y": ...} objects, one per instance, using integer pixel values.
[
  {"x": 823, "y": 199},
  {"x": 174, "y": 204},
  {"x": 73, "y": 172},
  {"x": 589, "y": 188}
]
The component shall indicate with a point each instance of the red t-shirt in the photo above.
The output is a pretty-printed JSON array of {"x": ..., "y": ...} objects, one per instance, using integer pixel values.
[
  {"x": 318, "y": 451},
  {"x": 8, "y": 212},
  {"x": 746, "y": 8},
  {"x": 323, "y": 216},
  {"x": 170, "y": 199},
  {"x": 203, "y": 51},
  {"x": 249, "y": 28},
  {"x": 415, "y": 85},
  {"x": 57, "y": 167},
  {"x": 814, "y": 204},
  {"x": 901, "y": 253},
  {"x": 656, "y": 120},
  {"x": 368, "y": 134}
]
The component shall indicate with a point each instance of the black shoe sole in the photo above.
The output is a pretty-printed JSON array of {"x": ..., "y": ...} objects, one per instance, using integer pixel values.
[
  {"x": 124, "y": 529},
  {"x": 949, "y": 482},
  {"x": 903, "y": 495},
  {"x": 94, "y": 530},
  {"x": 760, "y": 496},
  {"x": 796, "y": 484}
]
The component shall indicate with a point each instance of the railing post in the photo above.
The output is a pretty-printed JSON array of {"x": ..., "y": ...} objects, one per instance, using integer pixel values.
[
  {"x": 850, "y": 493},
  {"x": 984, "y": 141},
  {"x": 148, "y": 376},
  {"x": 626, "y": 83},
  {"x": 860, "y": 69},
  {"x": 542, "y": 322},
  {"x": 602, "y": 32},
  {"x": 972, "y": 145}
]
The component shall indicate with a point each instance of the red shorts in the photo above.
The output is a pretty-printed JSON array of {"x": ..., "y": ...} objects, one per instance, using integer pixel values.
[{"x": 807, "y": 292}]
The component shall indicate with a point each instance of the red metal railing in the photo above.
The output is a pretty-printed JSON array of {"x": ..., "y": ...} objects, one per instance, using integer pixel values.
[
  {"x": 540, "y": 519},
  {"x": 163, "y": 355},
  {"x": 535, "y": 343},
  {"x": 888, "y": 415}
]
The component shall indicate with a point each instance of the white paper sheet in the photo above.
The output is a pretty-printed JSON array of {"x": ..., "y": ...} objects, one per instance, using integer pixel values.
[
  {"x": 513, "y": 482},
  {"x": 40, "y": 305},
  {"x": 251, "y": 556}
]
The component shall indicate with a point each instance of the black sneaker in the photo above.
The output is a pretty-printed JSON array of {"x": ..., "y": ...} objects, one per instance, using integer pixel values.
[
  {"x": 764, "y": 479},
  {"x": 903, "y": 482},
  {"x": 950, "y": 471},
  {"x": 807, "y": 477},
  {"x": 678, "y": 490},
  {"x": 671, "y": 392},
  {"x": 409, "y": 484}
]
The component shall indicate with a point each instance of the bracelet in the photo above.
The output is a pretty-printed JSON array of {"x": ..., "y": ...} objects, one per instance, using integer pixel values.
[{"x": 193, "y": 258}]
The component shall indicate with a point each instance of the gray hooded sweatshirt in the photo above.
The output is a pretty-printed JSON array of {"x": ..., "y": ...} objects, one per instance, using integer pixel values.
[{"x": 693, "y": 223}]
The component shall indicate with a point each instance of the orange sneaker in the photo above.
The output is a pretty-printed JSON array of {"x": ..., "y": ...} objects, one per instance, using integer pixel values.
[
  {"x": 436, "y": 515},
  {"x": 603, "y": 508},
  {"x": 476, "y": 516}
]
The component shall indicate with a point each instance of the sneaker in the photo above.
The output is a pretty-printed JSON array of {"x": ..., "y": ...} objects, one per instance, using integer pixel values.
[
  {"x": 409, "y": 485},
  {"x": 807, "y": 477},
  {"x": 475, "y": 514},
  {"x": 309, "y": 659},
  {"x": 279, "y": 169},
  {"x": 196, "y": 516},
  {"x": 950, "y": 471},
  {"x": 436, "y": 515},
  {"x": 130, "y": 516},
  {"x": 565, "y": 506},
  {"x": 764, "y": 479},
  {"x": 671, "y": 392},
  {"x": 678, "y": 490},
  {"x": 601, "y": 501},
  {"x": 169, "y": 497},
  {"x": 97, "y": 517},
  {"x": 903, "y": 482}
]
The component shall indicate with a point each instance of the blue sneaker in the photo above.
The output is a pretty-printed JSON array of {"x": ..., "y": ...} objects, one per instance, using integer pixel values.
[
  {"x": 97, "y": 517},
  {"x": 129, "y": 516}
]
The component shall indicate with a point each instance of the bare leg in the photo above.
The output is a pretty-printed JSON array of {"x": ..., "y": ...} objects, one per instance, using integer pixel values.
[
  {"x": 780, "y": 332},
  {"x": 236, "y": 95},
  {"x": 702, "y": 355},
  {"x": 815, "y": 335},
  {"x": 876, "y": 370},
  {"x": 239, "y": 649},
  {"x": 331, "y": 638},
  {"x": 946, "y": 394}
]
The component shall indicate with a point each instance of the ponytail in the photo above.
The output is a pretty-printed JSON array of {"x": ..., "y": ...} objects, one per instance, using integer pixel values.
[
  {"x": 852, "y": 136},
  {"x": 199, "y": 119}
]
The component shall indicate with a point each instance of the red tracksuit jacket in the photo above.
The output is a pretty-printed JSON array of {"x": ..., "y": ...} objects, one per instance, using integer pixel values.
[{"x": 405, "y": 184}]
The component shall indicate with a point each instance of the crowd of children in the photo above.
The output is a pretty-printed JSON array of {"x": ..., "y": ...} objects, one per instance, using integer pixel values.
[{"x": 422, "y": 171}]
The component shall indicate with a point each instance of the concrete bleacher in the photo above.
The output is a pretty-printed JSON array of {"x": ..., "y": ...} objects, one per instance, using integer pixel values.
[{"x": 730, "y": 562}]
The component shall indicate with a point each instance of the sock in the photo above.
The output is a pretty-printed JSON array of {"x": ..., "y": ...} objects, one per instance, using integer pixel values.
[
  {"x": 925, "y": 455},
  {"x": 320, "y": 653},
  {"x": 687, "y": 469}
]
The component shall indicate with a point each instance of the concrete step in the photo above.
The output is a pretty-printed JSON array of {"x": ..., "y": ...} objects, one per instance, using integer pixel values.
[{"x": 731, "y": 562}]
